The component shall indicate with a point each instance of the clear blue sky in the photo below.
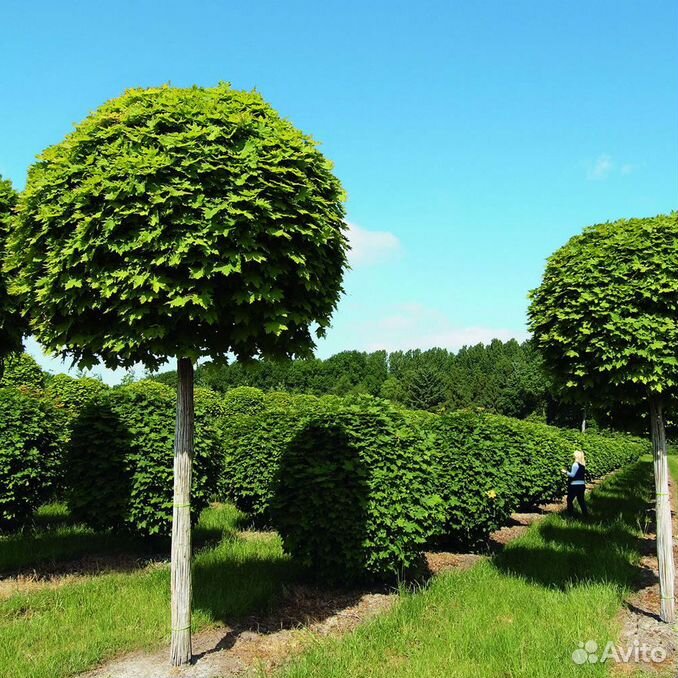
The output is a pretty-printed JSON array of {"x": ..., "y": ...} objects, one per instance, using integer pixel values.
[{"x": 473, "y": 138}]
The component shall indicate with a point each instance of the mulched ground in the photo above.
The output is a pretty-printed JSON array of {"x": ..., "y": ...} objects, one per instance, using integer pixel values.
[{"x": 639, "y": 621}]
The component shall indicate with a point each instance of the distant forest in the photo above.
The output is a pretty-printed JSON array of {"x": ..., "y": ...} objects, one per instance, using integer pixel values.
[{"x": 502, "y": 377}]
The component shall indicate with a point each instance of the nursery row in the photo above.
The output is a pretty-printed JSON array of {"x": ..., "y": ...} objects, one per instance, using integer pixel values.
[{"x": 355, "y": 486}]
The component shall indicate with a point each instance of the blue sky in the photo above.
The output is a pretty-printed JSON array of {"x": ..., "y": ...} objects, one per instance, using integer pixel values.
[{"x": 472, "y": 138}]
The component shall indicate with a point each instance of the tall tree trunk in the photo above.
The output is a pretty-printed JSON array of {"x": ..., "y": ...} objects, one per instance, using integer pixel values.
[
  {"x": 181, "y": 517},
  {"x": 583, "y": 421},
  {"x": 663, "y": 511}
]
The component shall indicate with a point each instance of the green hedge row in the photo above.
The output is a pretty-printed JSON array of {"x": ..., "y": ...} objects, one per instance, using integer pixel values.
[
  {"x": 119, "y": 463},
  {"x": 31, "y": 440},
  {"x": 489, "y": 466},
  {"x": 357, "y": 487},
  {"x": 257, "y": 428}
]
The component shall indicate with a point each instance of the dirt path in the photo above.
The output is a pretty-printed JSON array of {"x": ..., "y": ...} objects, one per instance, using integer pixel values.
[{"x": 639, "y": 621}]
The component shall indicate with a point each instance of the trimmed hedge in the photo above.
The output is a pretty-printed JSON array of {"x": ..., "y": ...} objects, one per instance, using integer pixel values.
[
  {"x": 244, "y": 400},
  {"x": 257, "y": 428},
  {"x": 355, "y": 497},
  {"x": 74, "y": 394},
  {"x": 21, "y": 369},
  {"x": 120, "y": 460},
  {"x": 29, "y": 454},
  {"x": 292, "y": 459},
  {"x": 490, "y": 466}
]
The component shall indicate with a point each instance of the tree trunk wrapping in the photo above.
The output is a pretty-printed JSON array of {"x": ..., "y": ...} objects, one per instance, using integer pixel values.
[
  {"x": 663, "y": 512},
  {"x": 181, "y": 650}
]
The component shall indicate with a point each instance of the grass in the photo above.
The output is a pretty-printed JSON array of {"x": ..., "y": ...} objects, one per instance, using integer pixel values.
[
  {"x": 57, "y": 632},
  {"x": 521, "y": 614},
  {"x": 56, "y": 538}
]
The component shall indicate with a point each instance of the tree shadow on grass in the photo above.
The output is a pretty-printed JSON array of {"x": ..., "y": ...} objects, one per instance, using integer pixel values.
[
  {"x": 561, "y": 552},
  {"x": 321, "y": 489},
  {"x": 263, "y": 595}
]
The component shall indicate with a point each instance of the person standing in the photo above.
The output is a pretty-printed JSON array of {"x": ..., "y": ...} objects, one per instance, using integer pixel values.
[{"x": 576, "y": 483}]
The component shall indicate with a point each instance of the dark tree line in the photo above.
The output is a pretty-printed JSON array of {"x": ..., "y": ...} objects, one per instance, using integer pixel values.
[{"x": 502, "y": 377}]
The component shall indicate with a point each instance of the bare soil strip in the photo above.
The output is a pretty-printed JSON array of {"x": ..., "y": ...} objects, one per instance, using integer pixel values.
[{"x": 639, "y": 621}]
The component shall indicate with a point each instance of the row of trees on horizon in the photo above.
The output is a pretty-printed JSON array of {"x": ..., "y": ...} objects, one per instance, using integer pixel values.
[{"x": 503, "y": 377}]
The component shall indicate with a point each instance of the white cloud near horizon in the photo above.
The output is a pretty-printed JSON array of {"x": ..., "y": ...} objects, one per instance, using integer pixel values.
[
  {"x": 369, "y": 248},
  {"x": 411, "y": 326}
]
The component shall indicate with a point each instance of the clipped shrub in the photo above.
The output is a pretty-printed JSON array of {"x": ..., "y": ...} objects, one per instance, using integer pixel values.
[
  {"x": 74, "y": 394},
  {"x": 21, "y": 369},
  {"x": 469, "y": 475},
  {"x": 29, "y": 454},
  {"x": 254, "y": 440},
  {"x": 355, "y": 497},
  {"x": 490, "y": 466},
  {"x": 120, "y": 459},
  {"x": 244, "y": 400}
]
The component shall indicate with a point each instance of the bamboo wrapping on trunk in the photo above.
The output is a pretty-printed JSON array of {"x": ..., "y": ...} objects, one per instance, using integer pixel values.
[{"x": 181, "y": 649}]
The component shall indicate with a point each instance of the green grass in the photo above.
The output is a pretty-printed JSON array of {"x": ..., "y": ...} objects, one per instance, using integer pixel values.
[
  {"x": 56, "y": 538},
  {"x": 58, "y": 632},
  {"x": 519, "y": 615},
  {"x": 673, "y": 465}
]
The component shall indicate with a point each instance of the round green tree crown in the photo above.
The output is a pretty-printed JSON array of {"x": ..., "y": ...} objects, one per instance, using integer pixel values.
[
  {"x": 606, "y": 313},
  {"x": 11, "y": 325},
  {"x": 180, "y": 222}
]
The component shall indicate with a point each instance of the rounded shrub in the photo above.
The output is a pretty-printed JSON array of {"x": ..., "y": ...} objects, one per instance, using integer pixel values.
[
  {"x": 244, "y": 400},
  {"x": 29, "y": 454},
  {"x": 74, "y": 394},
  {"x": 120, "y": 460},
  {"x": 21, "y": 369},
  {"x": 355, "y": 497}
]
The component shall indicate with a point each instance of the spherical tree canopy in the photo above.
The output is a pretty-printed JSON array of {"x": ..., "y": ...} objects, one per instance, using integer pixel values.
[
  {"x": 180, "y": 222},
  {"x": 11, "y": 325},
  {"x": 606, "y": 313}
]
